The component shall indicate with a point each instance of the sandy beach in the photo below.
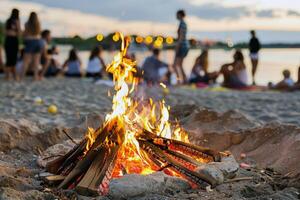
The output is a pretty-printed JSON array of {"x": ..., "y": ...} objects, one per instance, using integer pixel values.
[
  {"x": 258, "y": 124},
  {"x": 76, "y": 98}
]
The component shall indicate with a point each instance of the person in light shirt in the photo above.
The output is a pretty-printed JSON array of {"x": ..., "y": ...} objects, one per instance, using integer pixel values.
[
  {"x": 73, "y": 66},
  {"x": 286, "y": 84},
  {"x": 95, "y": 64}
]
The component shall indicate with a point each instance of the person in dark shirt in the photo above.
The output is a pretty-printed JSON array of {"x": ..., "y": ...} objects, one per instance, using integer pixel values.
[
  {"x": 45, "y": 55},
  {"x": 11, "y": 44},
  {"x": 254, "y": 47},
  {"x": 154, "y": 69}
]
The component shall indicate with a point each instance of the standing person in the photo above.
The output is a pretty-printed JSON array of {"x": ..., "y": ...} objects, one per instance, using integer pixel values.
[
  {"x": 182, "y": 47},
  {"x": 95, "y": 64},
  {"x": 11, "y": 44},
  {"x": 33, "y": 45},
  {"x": 254, "y": 47}
]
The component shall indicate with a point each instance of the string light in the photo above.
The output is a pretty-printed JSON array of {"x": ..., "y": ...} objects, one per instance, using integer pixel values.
[
  {"x": 148, "y": 39},
  {"x": 158, "y": 44},
  {"x": 99, "y": 37},
  {"x": 116, "y": 37},
  {"x": 169, "y": 40},
  {"x": 139, "y": 39}
]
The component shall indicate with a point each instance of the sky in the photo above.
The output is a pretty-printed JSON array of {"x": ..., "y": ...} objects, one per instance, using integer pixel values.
[{"x": 275, "y": 20}]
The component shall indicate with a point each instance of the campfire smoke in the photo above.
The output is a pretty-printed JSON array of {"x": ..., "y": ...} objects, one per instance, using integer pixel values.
[{"x": 135, "y": 138}]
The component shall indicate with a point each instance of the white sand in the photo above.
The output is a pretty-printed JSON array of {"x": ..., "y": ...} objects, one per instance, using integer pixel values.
[
  {"x": 27, "y": 128},
  {"x": 76, "y": 98}
]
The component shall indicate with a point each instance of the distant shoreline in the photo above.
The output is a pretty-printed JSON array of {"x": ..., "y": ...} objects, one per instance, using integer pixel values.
[{"x": 87, "y": 44}]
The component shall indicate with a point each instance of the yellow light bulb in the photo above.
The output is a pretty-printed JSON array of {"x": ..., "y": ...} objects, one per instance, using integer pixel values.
[
  {"x": 139, "y": 39},
  {"x": 149, "y": 39},
  {"x": 160, "y": 39},
  {"x": 116, "y": 37},
  {"x": 158, "y": 44},
  {"x": 169, "y": 40},
  {"x": 99, "y": 37}
]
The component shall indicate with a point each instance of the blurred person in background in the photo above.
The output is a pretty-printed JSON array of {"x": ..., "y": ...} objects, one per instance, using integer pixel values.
[
  {"x": 286, "y": 83},
  {"x": 200, "y": 72},
  {"x": 154, "y": 69},
  {"x": 11, "y": 44},
  {"x": 45, "y": 55},
  {"x": 54, "y": 67},
  {"x": 254, "y": 47},
  {"x": 33, "y": 46},
  {"x": 73, "y": 65},
  {"x": 96, "y": 65},
  {"x": 182, "y": 47},
  {"x": 235, "y": 74}
]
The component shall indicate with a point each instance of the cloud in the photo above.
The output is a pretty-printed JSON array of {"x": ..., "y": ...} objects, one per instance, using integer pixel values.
[
  {"x": 70, "y": 22},
  {"x": 207, "y": 17},
  {"x": 215, "y": 11},
  {"x": 150, "y": 10},
  {"x": 265, "y": 13},
  {"x": 293, "y": 13}
]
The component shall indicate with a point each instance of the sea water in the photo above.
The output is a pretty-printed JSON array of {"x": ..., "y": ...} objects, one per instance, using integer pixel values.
[{"x": 271, "y": 64}]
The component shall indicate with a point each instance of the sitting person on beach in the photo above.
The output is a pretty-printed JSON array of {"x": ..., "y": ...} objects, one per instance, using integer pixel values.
[
  {"x": 72, "y": 65},
  {"x": 286, "y": 84},
  {"x": 54, "y": 67},
  {"x": 154, "y": 69},
  {"x": 45, "y": 56},
  {"x": 235, "y": 74},
  {"x": 297, "y": 84},
  {"x": 95, "y": 64},
  {"x": 200, "y": 72}
]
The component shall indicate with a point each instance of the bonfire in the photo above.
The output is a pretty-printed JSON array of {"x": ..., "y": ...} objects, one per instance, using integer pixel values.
[{"x": 135, "y": 138}]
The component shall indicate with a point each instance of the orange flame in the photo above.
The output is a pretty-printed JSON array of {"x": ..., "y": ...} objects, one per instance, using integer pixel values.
[
  {"x": 91, "y": 137},
  {"x": 133, "y": 117}
]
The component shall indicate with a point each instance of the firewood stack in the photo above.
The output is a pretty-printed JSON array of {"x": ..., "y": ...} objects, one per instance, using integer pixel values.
[{"x": 90, "y": 174}]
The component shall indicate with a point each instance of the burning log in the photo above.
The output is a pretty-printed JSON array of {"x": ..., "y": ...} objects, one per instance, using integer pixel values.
[
  {"x": 124, "y": 145},
  {"x": 196, "y": 150},
  {"x": 57, "y": 165},
  {"x": 200, "y": 179},
  {"x": 73, "y": 165},
  {"x": 99, "y": 173}
]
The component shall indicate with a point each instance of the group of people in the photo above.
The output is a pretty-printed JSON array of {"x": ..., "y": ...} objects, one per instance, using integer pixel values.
[
  {"x": 38, "y": 59},
  {"x": 234, "y": 73}
]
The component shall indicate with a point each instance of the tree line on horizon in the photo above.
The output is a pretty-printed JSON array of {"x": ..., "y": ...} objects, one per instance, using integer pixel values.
[{"x": 107, "y": 42}]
